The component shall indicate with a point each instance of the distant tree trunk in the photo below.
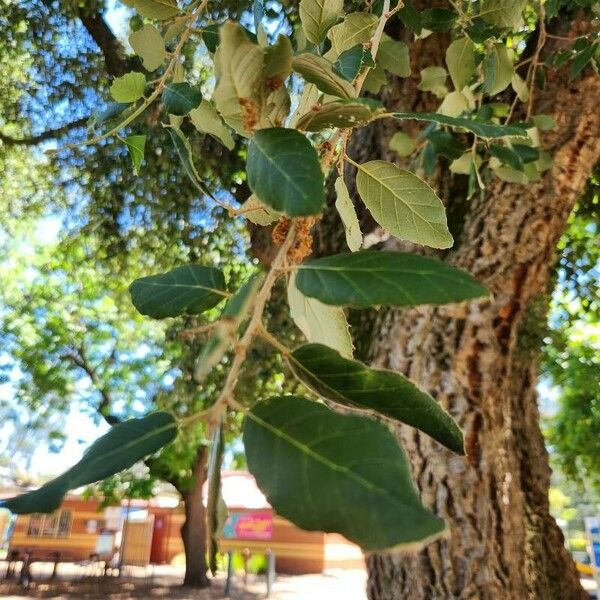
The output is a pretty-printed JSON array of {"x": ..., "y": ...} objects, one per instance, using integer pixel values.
[
  {"x": 193, "y": 530},
  {"x": 502, "y": 541}
]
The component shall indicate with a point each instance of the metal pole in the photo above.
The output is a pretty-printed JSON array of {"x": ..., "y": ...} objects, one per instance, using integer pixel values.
[
  {"x": 229, "y": 572},
  {"x": 270, "y": 571}
]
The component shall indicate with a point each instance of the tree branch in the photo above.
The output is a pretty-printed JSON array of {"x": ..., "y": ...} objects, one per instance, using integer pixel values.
[
  {"x": 42, "y": 137},
  {"x": 116, "y": 60},
  {"x": 79, "y": 359}
]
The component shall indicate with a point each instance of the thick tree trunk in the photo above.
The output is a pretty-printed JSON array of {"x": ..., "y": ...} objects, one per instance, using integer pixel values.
[
  {"x": 502, "y": 541},
  {"x": 193, "y": 530}
]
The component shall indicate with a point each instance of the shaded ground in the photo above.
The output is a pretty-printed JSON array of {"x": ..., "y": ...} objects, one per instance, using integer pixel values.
[{"x": 163, "y": 582}]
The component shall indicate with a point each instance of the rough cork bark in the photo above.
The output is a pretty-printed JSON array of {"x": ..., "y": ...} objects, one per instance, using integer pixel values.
[{"x": 502, "y": 541}]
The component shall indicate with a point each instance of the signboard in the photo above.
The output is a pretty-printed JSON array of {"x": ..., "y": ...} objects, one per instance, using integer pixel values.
[
  {"x": 592, "y": 528},
  {"x": 249, "y": 526}
]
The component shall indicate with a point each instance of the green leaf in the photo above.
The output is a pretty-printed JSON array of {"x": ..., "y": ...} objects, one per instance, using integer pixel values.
[
  {"x": 498, "y": 70},
  {"x": 257, "y": 212},
  {"x": 318, "y": 70},
  {"x": 581, "y": 60},
  {"x": 356, "y": 28},
  {"x": 349, "y": 471},
  {"x": 393, "y": 56},
  {"x": 210, "y": 37},
  {"x": 502, "y": 13},
  {"x": 510, "y": 175},
  {"x": 446, "y": 144},
  {"x": 460, "y": 59},
  {"x": 308, "y": 101},
  {"x": 120, "y": 448},
  {"x": 410, "y": 17},
  {"x": 374, "y": 278},
  {"x": 403, "y": 204},
  {"x": 338, "y": 113},
  {"x": 351, "y": 62},
  {"x": 526, "y": 153},
  {"x": 317, "y": 16},
  {"x": 149, "y": 45},
  {"x": 239, "y": 67},
  {"x": 113, "y": 114},
  {"x": 284, "y": 172},
  {"x": 136, "y": 144},
  {"x": 544, "y": 122},
  {"x": 351, "y": 383},
  {"x": 480, "y": 31},
  {"x": 483, "y": 129},
  {"x": 239, "y": 304},
  {"x": 157, "y": 9},
  {"x": 184, "y": 151},
  {"x": 319, "y": 322},
  {"x": 345, "y": 208},
  {"x": 376, "y": 79},
  {"x": 402, "y": 144},
  {"x": 519, "y": 85},
  {"x": 206, "y": 119},
  {"x": 454, "y": 104},
  {"x": 128, "y": 88},
  {"x": 190, "y": 289},
  {"x": 433, "y": 79},
  {"x": 211, "y": 354},
  {"x": 180, "y": 98},
  {"x": 438, "y": 19},
  {"x": 507, "y": 155},
  {"x": 234, "y": 314},
  {"x": 278, "y": 61}
]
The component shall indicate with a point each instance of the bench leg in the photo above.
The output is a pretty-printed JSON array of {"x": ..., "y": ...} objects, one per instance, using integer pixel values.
[
  {"x": 55, "y": 570},
  {"x": 25, "y": 575}
]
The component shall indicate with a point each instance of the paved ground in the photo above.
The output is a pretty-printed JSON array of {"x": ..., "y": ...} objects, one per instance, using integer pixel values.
[{"x": 163, "y": 582}]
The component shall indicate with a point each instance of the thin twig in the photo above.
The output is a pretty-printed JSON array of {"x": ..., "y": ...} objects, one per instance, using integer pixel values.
[
  {"x": 154, "y": 95},
  {"x": 535, "y": 59},
  {"x": 241, "y": 349}
]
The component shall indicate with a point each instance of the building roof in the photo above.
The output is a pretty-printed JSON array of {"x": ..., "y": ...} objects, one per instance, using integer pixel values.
[
  {"x": 238, "y": 487},
  {"x": 240, "y": 491}
]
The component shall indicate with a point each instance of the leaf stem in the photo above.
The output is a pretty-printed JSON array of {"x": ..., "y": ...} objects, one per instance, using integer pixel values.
[
  {"x": 225, "y": 398},
  {"x": 271, "y": 339}
]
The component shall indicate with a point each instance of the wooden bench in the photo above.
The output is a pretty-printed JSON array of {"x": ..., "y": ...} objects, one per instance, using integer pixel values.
[{"x": 28, "y": 557}]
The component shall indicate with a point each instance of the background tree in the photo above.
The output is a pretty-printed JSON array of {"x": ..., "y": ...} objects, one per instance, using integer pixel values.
[{"x": 479, "y": 361}]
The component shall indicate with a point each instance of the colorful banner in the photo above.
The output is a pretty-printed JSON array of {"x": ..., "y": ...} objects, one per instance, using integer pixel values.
[{"x": 249, "y": 526}]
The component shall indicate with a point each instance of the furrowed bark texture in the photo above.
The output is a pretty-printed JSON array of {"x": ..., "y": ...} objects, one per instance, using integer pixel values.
[
  {"x": 502, "y": 541},
  {"x": 193, "y": 530}
]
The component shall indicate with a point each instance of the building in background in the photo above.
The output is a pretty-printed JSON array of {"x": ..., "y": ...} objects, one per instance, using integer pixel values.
[{"x": 149, "y": 531}]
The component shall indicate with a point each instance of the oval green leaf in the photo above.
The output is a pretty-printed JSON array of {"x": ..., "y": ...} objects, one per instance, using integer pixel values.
[
  {"x": 149, "y": 45},
  {"x": 125, "y": 444},
  {"x": 483, "y": 129},
  {"x": 317, "y": 16},
  {"x": 372, "y": 278},
  {"x": 319, "y": 71},
  {"x": 403, "y": 204},
  {"x": 180, "y": 98},
  {"x": 284, "y": 172},
  {"x": 351, "y": 383},
  {"x": 460, "y": 59},
  {"x": 129, "y": 87},
  {"x": 190, "y": 289},
  {"x": 339, "y": 113},
  {"x": 336, "y": 473}
]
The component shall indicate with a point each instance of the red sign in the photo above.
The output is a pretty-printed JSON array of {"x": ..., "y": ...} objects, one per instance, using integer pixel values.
[{"x": 249, "y": 526}]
